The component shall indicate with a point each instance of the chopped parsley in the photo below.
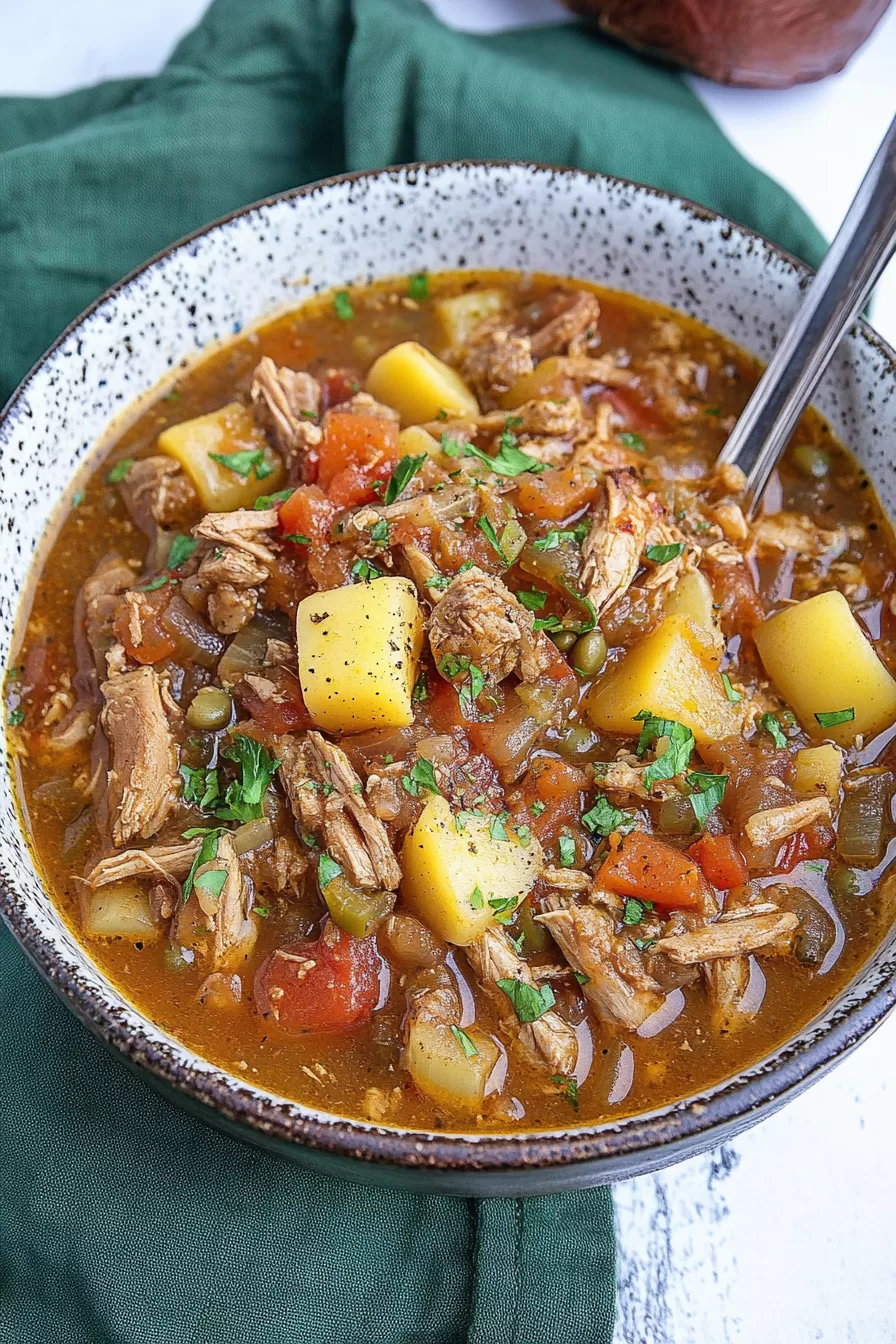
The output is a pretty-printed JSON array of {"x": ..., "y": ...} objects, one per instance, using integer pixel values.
[
  {"x": 201, "y": 787},
  {"x": 504, "y": 908},
  {"x": 488, "y": 531},
  {"x": 77, "y": 499},
  {"x": 529, "y": 1003},
  {"x": 438, "y": 583},
  {"x": 15, "y": 717},
  {"x": 477, "y": 900},
  {"x": 297, "y": 538},
  {"x": 603, "y": 818},
  {"x": 182, "y": 548},
  {"x": 211, "y": 881},
  {"x": 709, "y": 790},
  {"x": 342, "y": 305},
  {"x": 380, "y": 532},
  {"x": 677, "y": 754},
  {"x": 422, "y": 776},
  {"x": 555, "y": 538},
  {"x": 451, "y": 447},
  {"x": 537, "y": 807},
  {"x": 731, "y": 693},
  {"x": 567, "y": 848},
  {"x": 582, "y": 979},
  {"x": 470, "y": 690},
  {"x": 268, "y": 501},
  {"x": 155, "y": 584},
  {"x": 405, "y": 469},
  {"x": 496, "y": 828},
  {"x": 831, "y": 718},
  {"x": 660, "y": 555},
  {"x": 633, "y": 441},
  {"x": 242, "y": 801},
  {"x": 327, "y": 869},
  {"x": 509, "y": 461},
  {"x": 418, "y": 290},
  {"x": 645, "y": 944},
  {"x": 774, "y": 730},
  {"x": 461, "y": 1037},
  {"x": 244, "y": 462},
  {"x": 365, "y": 571},
  {"x": 634, "y": 910},
  {"x": 517, "y": 943},
  {"x": 524, "y": 835},
  {"x": 570, "y": 1087},
  {"x": 533, "y": 600},
  {"x": 262, "y": 910},
  {"x": 421, "y": 689},
  {"x": 119, "y": 471},
  {"x": 207, "y": 853}
]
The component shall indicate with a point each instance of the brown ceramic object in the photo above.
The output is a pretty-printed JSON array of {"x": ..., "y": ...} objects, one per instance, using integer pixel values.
[{"x": 765, "y": 44}]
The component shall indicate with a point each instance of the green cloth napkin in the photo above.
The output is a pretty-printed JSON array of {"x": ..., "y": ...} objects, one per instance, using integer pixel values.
[{"x": 123, "y": 1221}]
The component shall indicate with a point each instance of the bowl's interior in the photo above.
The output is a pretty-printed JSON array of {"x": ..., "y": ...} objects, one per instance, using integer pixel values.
[{"x": 351, "y": 230}]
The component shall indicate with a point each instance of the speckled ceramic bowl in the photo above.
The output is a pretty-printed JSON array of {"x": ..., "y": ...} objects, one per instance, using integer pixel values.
[{"x": 272, "y": 256}]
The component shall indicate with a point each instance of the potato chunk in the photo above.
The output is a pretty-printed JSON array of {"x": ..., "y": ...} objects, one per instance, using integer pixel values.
[
  {"x": 358, "y": 653},
  {"x": 693, "y": 597},
  {"x": 461, "y": 315},
  {"x": 230, "y": 430},
  {"x": 817, "y": 770},
  {"x": 820, "y": 662},
  {"x": 673, "y": 672},
  {"x": 451, "y": 876},
  {"x": 416, "y": 440},
  {"x": 119, "y": 910},
  {"x": 440, "y": 1067},
  {"x": 418, "y": 385}
]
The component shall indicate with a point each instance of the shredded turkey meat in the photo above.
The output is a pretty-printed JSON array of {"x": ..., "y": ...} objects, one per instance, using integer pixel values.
[
  {"x": 158, "y": 493},
  {"x": 142, "y": 781},
  {"x": 287, "y": 403},
  {"x": 479, "y": 619},
  {"x": 729, "y": 937},
  {"x": 243, "y": 528},
  {"x": 216, "y": 921},
  {"x": 327, "y": 799},
  {"x": 777, "y": 823},
  {"x": 795, "y": 532},
  {"x": 617, "y": 986},
  {"x": 549, "y": 1040},
  {"x": 158, "y": 861},
  {"x": 98, "y": 604}
]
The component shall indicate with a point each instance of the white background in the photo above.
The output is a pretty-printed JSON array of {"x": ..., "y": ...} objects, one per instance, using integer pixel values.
[{"x": 786, "y": 1236}]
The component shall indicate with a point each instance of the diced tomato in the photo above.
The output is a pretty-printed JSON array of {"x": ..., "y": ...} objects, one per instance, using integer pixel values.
[
  {"x": 144, "y": 638},
  {"x": 638, "y": 414},
  {"x": 813, "y": 843},
  {"x": 721, "y": 861},
  {"x": 557, "y": 494},
  {"x": 339, "y": 385},
  {"x": 308, "y": 513},
  {"x": 455, "y": 547},
  {"x": 443, "y": 705},
  {"x": 283, "y": 711},
  {"x": 356, "y": 451},
  {"x": 556, "y": 787},
  {"x": 650, "y": 870},
  {"x": 332, "y": 985}
]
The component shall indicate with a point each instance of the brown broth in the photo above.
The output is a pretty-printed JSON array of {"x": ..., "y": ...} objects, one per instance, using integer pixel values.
[{"x": 687, "y": 1055}]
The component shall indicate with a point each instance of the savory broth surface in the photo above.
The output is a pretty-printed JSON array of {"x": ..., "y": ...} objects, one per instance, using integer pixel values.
[{"x": 586, "y": 852}]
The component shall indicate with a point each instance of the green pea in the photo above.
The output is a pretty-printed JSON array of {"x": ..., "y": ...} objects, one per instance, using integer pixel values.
[
  {"x": 210, "y": 708},
  {"x": 590, "y": 653},
  {"x": 564, "y": 639},
  {"x": 811, "y": 461}
]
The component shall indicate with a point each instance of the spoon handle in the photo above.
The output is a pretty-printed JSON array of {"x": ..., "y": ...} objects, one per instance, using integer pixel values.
[{"x": 864, "y": 244}]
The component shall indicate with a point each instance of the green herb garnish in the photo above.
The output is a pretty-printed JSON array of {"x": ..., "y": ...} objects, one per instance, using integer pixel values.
[
  {"x": 533, "y": 600},
  {"x": 243, "y": 799},
  {"x": 365, "y": 571},
  {"x": 830, "y": 718},
  {"x": 418, "y": 290},
  {"x": 119, "y": 471},
  {"x": 476, "y": 899},
  {"x": 405, "y": 469},
  {"x": 709, "y": 790},
  {"x": 731, "y": 693},
  {"x": 603, "y": 819},
  {"x": 461, "y": 1037},
  {"x": 660, "y": 555},
  {"x": 268, "y": 501},
  {"x": 634, "y": 910},
  {"x": 182, "y": 548},
  {"x": 529, "y": 1003},
  {"x": 422, "y": 776},
  {"x": 773, "y": 728},
  {"x": 297, "y": 538},
  {"x": 633, "y": 441},
  {"x": 244, "y": 462},
  {"x": 676, "y": 756},
  {"x": 342, "y": 305},
  {"x": 567, "y": 848},
  {"x": 570, "y": 1087}
]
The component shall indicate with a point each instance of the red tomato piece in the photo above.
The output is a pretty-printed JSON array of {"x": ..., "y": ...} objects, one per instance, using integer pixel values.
[
  {"x": 559, "y": 790},
  {"x": 308, "y": 513},
  {"x": 281, "y": 712},
  {"x": 650, "y": 870},
  {"x": 356, "y": 451},
  {"x": 339, "y": 385},
  {"x": 638, "y": 415},
  {"x": 332, "y": 985},
  {"x": 813, "y": 843},
  {"x": 721, "y": 861}
]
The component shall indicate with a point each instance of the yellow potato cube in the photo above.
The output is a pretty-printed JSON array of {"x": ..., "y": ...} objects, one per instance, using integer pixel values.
[
  {"x": 231, "y": 430},
  {"x": 416, "y": 440},
  {"x": 418, "y": 385},
  {"x": 358, "y": 653},
  {"x": 439, "y": 1065},
  {"x": 693, "y": 597},
  {"x": 119, "y": 910},
  {"x": 673, "y": 673},
  {"x": 820, "y": 662},
  {"x": 450, "y": 876},
  {"x": 817, "y": 770},
  {"x": 462, "y": 314}
]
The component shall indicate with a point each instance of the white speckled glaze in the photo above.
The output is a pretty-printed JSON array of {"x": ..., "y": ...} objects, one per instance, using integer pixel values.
[{"x": 270, "y": 257}]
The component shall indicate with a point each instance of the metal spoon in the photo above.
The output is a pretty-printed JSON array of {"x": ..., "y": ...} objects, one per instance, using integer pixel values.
[{"x": 864, "y": 244}]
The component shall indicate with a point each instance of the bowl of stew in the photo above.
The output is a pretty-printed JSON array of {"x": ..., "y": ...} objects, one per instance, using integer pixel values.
[{"x": 419, "y": 764}]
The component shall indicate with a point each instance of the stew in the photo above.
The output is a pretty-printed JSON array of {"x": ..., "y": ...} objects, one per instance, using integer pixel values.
[{"x": 410, "y": 721}]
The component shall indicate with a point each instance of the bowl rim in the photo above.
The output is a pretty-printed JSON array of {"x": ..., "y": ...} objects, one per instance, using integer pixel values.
[{"x": 697, "y": 1121}]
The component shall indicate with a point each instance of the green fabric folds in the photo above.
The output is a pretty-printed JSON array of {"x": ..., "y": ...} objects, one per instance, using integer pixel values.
[{"x": 122, "y": 1221}]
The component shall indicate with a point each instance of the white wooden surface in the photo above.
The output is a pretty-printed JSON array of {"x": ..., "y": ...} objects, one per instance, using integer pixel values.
[{"x": 785, "y": 1236}]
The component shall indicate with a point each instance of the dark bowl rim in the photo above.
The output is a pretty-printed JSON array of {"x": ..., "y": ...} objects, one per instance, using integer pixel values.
[{"x": 697, "y": 1121}]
